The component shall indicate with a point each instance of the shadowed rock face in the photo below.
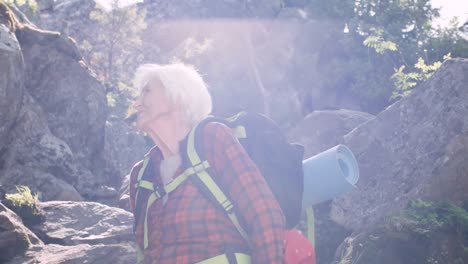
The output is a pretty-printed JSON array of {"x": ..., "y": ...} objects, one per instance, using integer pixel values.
[
  {"x": 416, "y": 148},
  {"x": 112, "y": 153},
  {"x": 52, "y": 131},
  {"x": 11, "y": 82},
  {"x": 73, "y": 100},
  {"x": 52, "y": 116},
  {"x": 15, "y": 238}
]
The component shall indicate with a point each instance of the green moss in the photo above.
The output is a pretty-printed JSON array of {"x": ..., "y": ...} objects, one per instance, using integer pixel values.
[
  {"x": 24, "y": 197},
  {"x": 25, "y": 205},
  {"x": 424, "y": 232},
  {"x": 430, "y": 216}
]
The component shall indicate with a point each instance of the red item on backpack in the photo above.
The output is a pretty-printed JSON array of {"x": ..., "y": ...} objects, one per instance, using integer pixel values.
[{"x": 298, "y": 249}]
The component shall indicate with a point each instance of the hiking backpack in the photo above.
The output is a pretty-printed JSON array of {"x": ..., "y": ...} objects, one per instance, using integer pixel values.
[{"x": 279, "y": 161}]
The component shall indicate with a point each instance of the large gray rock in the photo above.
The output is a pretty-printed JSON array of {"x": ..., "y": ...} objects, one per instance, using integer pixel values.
[
  {"x": 111, "y": 153},
  {"x": 317, "y": 132},
  {"x": 11, "y": 80},
  {"x": 416, "y": 148},
  {"x": 15, "y": 238},
  {"x": 56, "y": 254},
  {"x": 81, "y": 232},
  {"x": 423, "y": 233},
  {"x": 26, "y": 142},
  {"x": 53, "y": 116},
  {"x": 123, "y": 146},
  {"x": 73, "y": 100},
  {"x": 73, "y": 223},
  {"x": 37, "y": 158},
  {"x": 321, "y": 130}
]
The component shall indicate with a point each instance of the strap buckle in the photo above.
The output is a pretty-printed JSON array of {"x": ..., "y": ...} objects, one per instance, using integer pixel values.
[
  {"x": 159, "y": 191},
  {"x": 197, "y": 168}
]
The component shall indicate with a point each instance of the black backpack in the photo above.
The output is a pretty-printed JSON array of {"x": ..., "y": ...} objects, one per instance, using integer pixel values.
[{"x": 279, "y": 161}]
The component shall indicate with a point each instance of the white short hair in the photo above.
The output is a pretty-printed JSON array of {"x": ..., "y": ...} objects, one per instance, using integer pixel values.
[{"x": 182, "y": 83}]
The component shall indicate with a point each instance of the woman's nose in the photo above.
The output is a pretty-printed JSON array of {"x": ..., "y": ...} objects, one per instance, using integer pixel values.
[{"x": 137, "y": 103}]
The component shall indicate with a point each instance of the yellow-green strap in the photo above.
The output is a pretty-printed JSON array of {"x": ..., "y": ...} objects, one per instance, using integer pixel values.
[
  {"x": 236, "y": 223},
  {"x": 223, "y": 259},
  {"x": 151, "y": 200},
  {"x": 310, "y": 225},
  {"x": 140, "y": 255},
  {"x": 145, "y": 184},
  {"x": 171, "y": 186},
  {"x": 203, "y": 175},
  {"x": 212, "y": 186},
  {"x": 235, "y": 117},
  {"x": 140, "y": 175},
  {"x": 142, "y": 170},
  {"x": 239, "y": 132}
]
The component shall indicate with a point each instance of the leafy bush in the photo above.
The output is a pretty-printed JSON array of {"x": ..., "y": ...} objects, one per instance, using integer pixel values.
[{"x": 404, "y": 82}]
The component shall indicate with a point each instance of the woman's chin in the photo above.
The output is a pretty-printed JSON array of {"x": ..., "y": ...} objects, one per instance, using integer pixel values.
[{"x": 140, "y": 124}]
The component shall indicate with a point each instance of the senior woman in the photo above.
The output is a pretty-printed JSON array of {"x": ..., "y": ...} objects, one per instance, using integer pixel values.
[{"x": 185, "y": 226}]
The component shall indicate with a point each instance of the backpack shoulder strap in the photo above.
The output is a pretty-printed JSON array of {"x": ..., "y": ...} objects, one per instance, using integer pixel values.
[
  {"x": 205, "y": 181},
  {"x": 143, "y": 175}
]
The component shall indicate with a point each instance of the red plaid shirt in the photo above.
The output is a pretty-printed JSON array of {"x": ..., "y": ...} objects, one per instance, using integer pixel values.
[{"x": 188, "y": 228}]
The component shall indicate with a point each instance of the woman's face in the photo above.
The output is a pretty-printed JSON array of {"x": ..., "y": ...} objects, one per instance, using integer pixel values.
[{"x": 152, "y": 104}]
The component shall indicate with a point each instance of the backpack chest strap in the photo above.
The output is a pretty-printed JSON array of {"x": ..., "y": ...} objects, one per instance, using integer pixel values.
[
  {"x": 158, "y": 192},
  {"x": 172, "y": 185}
]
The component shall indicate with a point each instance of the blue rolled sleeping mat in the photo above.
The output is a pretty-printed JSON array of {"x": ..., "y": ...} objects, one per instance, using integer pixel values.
[{"x": 329, "y": 174}]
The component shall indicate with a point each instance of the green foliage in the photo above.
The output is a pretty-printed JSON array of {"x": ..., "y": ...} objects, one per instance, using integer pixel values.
[
  {"x": 451, "y": 40},
  {"x": 31, "y": 4},
  {"x": 119, "y": 101},
  {"x": 331, "y": 9},
  {"x": 24, "y": 197},
  {"x": 111, "y": 99},
  {"x": 25, "y": 204},
  {"x": 359, "y": 62},
  {"x": 377, "y": 42},
  {"x": 28, "y": 7},
  {"x": 117, "y": 49},
  {"x": 434, "y": 215},
  {"x": 404, "y": 82}
]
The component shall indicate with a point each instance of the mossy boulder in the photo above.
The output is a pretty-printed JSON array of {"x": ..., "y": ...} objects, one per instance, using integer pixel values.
[{"x": 425, "y": 232}]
